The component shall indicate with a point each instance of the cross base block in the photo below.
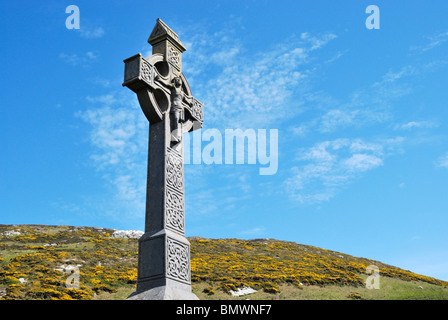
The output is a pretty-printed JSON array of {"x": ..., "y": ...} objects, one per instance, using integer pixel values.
[{"x": 171, "y": 290}]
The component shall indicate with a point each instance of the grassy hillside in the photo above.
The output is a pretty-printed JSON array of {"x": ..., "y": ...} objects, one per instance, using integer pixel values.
[{"x": 36, "y": 261}]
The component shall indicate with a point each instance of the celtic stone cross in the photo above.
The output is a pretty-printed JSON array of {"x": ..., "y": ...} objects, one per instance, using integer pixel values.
[{"x": 167, "y": 102}]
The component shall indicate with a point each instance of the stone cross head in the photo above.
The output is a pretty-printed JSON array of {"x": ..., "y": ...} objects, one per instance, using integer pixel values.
[{"x": 160, "y": 85}]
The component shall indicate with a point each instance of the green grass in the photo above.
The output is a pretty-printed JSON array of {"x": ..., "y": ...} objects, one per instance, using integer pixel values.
[{"x": 390, "y": 289}]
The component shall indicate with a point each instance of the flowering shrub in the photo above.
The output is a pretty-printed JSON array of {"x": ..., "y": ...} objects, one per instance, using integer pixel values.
[
  {"x": 355, "y": 296},
  {"x": 104, "y": 263},
  {"x": 232, "y": 263},
  {"x": 270, "y": 287},
  {"x": 209, "y": 291}
]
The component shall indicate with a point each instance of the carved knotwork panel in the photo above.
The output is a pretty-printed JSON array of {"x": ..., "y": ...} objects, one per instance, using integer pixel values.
[
  {"x": 173, "y": 56},
  {"x": 174, "y": 170},
  {"x": 174, "y": 192},
  {"x": 197, "y": 111},
  {"x": 147, "y": 71},
  {"x": 174, "y": 214},
  {"x": 178, "y": 260}
]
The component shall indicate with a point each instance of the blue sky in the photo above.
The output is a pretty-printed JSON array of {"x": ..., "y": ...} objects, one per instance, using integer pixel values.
[{"x": 361, "y": 119}]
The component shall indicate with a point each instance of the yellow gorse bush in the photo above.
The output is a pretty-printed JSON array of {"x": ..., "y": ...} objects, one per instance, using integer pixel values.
[
  {"x": 266, "y": 263},
  {"x": 103, "y": 263}
]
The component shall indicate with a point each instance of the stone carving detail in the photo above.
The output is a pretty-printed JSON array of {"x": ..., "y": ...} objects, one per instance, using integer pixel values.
[
  {"x": 197, "y": 110},
  {"x": 158, "y": 30},
  {"x": 174, "y": 170},
  {"x": 174, "y": 216},
  {"x": 147, "y": 71},
  {"x": 171, "y": 33},
  {"x": 178, "y": 260},
  {"x": 174, "y": 56}
]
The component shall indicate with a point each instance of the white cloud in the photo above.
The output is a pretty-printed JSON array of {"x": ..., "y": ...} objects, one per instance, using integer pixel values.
[
  {"x": 119, "y": 139},
  {"x": 249, "y": 90},
  {"x": 416, "y": 124},
  {"x": 106, "y": 99},
  {"x": 102, "y": 82},
  {"x": 254, "y": 231},
  {"x": 72, "y": 59},
  {"x": 337, "y": 118},
  {"x": 76, "y": 59},
  {"x": 91, "y": 55},
  {"x": 362, "y": 162},
  {"x": 317, "y": 42},
  {"x": 225, "y": 56},
  {"x": 442, "y": 161},
  {"x": 128, "y": 190},
  {"x": 115, "y": 135},
  {"x": 434, "y": 42},
  {"x": 300, "y": 130},
  {"x": 328, "y": 166},
  {"x": 338, "y": 55},
  {"x": 391, "y": 76},
  {"x": 363, "y": 107},
  {"x": 91, "y": 33}
]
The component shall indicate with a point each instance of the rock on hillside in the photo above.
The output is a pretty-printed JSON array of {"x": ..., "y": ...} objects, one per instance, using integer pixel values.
[{"x": 129, "y": 234}]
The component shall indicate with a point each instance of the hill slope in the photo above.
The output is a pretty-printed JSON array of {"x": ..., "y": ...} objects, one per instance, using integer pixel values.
[{"x": 39, "y": 262}]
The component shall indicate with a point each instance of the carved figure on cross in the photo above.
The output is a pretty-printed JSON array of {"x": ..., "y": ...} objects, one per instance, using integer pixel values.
[{"x": 177, "y": 109}]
